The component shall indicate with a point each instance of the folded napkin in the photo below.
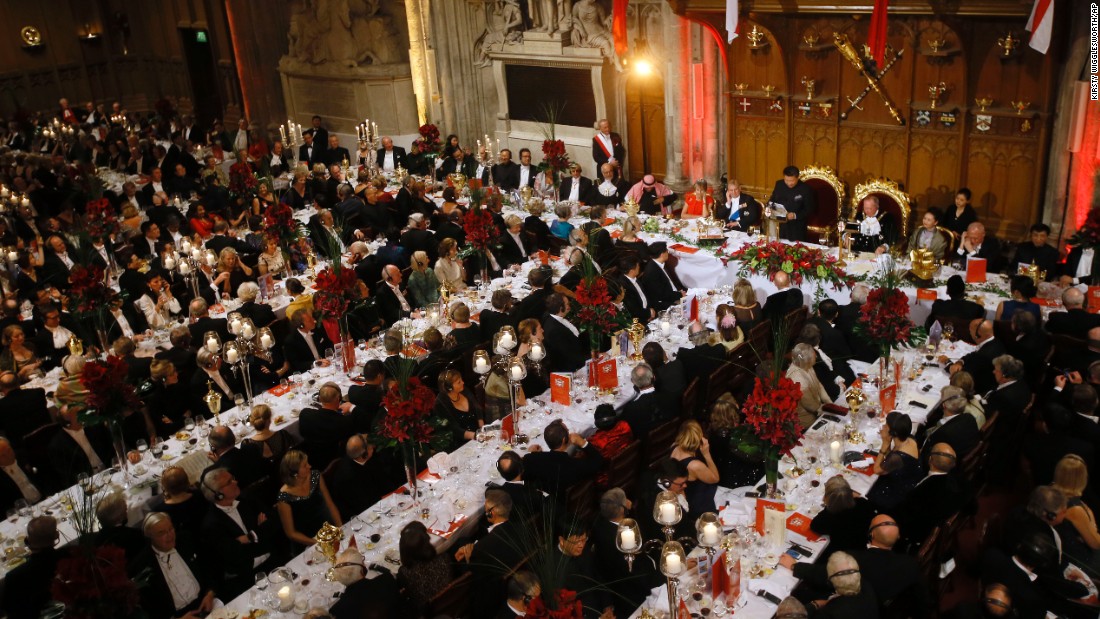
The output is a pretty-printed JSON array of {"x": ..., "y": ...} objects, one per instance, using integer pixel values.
[
  {"x": 448, "y": 529},
  {"x": 439, "y": 463}
]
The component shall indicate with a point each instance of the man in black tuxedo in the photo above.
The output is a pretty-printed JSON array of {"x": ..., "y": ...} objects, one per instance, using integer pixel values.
[
  {"x": 979, "y": 363},
  {"x": 565, "y": 351},
  {"x": 526, "y": 500},
  {"x": 798, "y": 199},
  {"x": 1076, "y": 321},
  {"x": 20, "y": 481},
  {"x": 212, "y": 374},
  {"x": 534, "y": 304},
  {"x": 498, "y": 552},
  {"x": 740, "y": 211},
  {"x": 368, "y": 397},
  {"x": 1039, "y": 253},
  {"x": 607, "y": 146},
  {"x": 659, "y": 281},
  {"x": 392, "y": 301},
  {"x": 527, "y": 172},
  {"x": 1017, "y": 571},
  {"x": 242, "y": 536},
  {"x": 958, "y": 429},
  {"x": 320, "y": 134},
  {"x": 77, "y": 448},
  {"x": 977, "y": 244},
  {"x": 956, "y": 305},
  {"x": 27, "y": 588},
  {"x": 222, "y": 238},
  {"x": 458, "y": 163},
  {"x": 377, "y": 597},
  {"x": 306, "y": 342},
  {"x": 358, "y": 481},
  {"x": 1011, "y": 395},
  {"x": 246, "y": 466},
  {"x": 179, "y": 183},
  {"x": 848, "y": 318},
  {"x": 334, "y": 153},
  {"x": 22, "y": 411},
  {"x": 308, "y": 152},
  {"x": 515, "y": 247},
  {"x": 555, "y": 471},
  {"x": 670, "y": 378},
  {"x": 937, "y": 497},
  {"x": 666, "y": 474},
  {"x": 701, "y": 359},
  {"x": 155, "y": 186},
  {"x": 575, "y": 188},
  {"x": 324, "y": 429},
  {"x": 629, "y": 584},
  {"x": 202, "y": 323},
  {"x": 833, "y": 342},
  {"x": 1082, "y": 266},
  {"x": 506, "y": 173},
  {"x": 417, "y": 237},
  {"x": 784, "y": 301},
  {"x": 502, "y": 314},
  {"x": 635, "y": 301},
  {"x": 261, "y": 313},
  {"x": 146, "y": 243},
  {"x": 643, "y": 410},
  {"x": 57, "y": 262},
  {"x": 168, "y": 560},
  {"x": 391, "y": 157}
]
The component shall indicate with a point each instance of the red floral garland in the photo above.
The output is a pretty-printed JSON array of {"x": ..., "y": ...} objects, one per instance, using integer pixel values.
[
  {"x": 335, "y": 291},
  {"x": 108, "y": 391},
  {"x": 802, "y": 263},
  {"x": 884, "y": 318},
  {"x": 93, "y": 583},
  {"x": 100, "y": 219},
  {"x": 407, "y": 412},
  {"x": 771, "y": 410},
  {"x": 568, "y": 607}
]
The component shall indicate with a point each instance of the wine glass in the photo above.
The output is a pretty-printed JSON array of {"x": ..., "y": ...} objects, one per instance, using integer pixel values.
[
  {"x": 142, "y": 447},
  {"x": 238, "y": 401}
]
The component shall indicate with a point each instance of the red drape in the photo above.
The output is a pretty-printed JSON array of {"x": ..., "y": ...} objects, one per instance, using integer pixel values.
[
  {"x": 618, "y": 26},
  {"x": 876, "y": 37}
]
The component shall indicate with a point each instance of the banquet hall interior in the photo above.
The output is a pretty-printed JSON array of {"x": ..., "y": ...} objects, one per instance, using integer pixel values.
[{"x": 549, "y": 308}]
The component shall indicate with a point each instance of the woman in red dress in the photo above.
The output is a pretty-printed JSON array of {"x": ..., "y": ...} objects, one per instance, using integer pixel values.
[
  {"x": 698, "y": 203},
  {"x": 612, "y": 435}
]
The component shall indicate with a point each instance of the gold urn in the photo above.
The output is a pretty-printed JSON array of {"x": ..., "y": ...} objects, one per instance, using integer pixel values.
[
  {"x": 213, "y": 401},
  {"x": 76, "y": 347},
  {"x": 631, "y": 207},
  {"x": 924, "y": 263},
  {"x": 636, "y": 331},
  {"x": 525, "y": 193},
  {"x": 328, "y": 539},
  {"x": 457, "y": 179},
  {"x": 855, "y": 398}
]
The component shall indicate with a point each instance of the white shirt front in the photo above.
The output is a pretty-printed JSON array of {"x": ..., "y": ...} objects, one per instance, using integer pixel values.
[
  {"x": 575, "y": 190},
  {"x": 61, "y": 337},
  {"x": 308, "y": 337},
  {"x": 519, "y": 243},
  {"x": 26, "y": 487},
  {"x": 235, "y": 515},
  {"x": 568, "y": 325},
  {"x": 66, "y": 259},
  {"x": 1084, "y": 267},
  {"x": 123, "y": 324},
  {"x": 157, "y": 187},
  {"x": 276, "y": 160},
  {"x": 81, "y": 439},
  {"x": 387, "y": 161},
  {"x": 524, "y": 175},
  {"x": 220, "y": 382},
  {"x": 645, "y": 302},
  {"x": 178, "y": 576},
  {"x": 400, "y": 297}
]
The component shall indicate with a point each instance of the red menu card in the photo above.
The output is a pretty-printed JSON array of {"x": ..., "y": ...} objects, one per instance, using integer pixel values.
[
  {"x": 927, "y": 294},
  {"x": 887, "y": 398},
  {"x": 975, "y": 271},
  {"x": 607, "y": 373},
  {"x": 560, "y": 387}
]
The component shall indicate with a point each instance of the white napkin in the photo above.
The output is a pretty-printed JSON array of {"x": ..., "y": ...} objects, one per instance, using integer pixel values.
[{"x": 439, "y": 464}]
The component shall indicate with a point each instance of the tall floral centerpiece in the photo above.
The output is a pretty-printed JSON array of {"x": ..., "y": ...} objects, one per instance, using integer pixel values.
[
  {"x": 281, "y": 227},
  {"x": 337, "y": 292},
  {"x": 101, "y": 221},
  {"x": 554, "y": 157},
  {"x": 594, "y": 311},
  {"x": 802, "y": 263},
  {"x": 1088, "y": 235},
  {"x": 407, "y": 423},
  {"x": 90, "y": 300},
  {"x": 242, "y": 180},
  {"x": 482, "y": 234},
  {"x": 109, "y": 397},
  {"x": 884, "y": 319}
]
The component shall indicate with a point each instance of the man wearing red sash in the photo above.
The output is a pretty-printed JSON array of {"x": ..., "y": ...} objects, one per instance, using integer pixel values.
[{"x": 607, "y": 146}]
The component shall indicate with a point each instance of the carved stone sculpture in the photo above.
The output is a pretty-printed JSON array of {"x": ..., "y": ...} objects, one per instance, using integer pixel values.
[
  {"x": 346, "y": 33},
  {"x": 503, "y": 24},
  {"x": 592, "y": 27}
]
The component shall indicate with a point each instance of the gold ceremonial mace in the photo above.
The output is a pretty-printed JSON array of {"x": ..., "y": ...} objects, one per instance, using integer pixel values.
[{"x": 843, "y": 44}]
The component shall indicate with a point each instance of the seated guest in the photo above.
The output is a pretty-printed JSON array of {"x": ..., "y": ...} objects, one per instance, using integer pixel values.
[
  {"x": 212, "y": 374},
  {"x": 703, "y": 477},
  {"x": 926, "y": 236},
  {"x": 125, "y": 320},
  {"x": 51, "y": 343},
  {"x": 515, "y": 247},
  {"x": 629, "y": 241},
  {"x": 561, "y": 228},
  {"x": 1037, "y": 252},
  {"x": 574, "y": 188},
  {"x": 303, "y": 504},
  {"x": 306, "y": 344},
  {"x": 666, "y": 475},
  {"x": 659, "y": 280},
  {"x": 670, "y": 377},
  {"x": 423, "y": 283},
  {"x": 629, "y": 585},
  {"x": 526, "y": 500},
  {"x": 1011, "y": 395},
  {"x": 112, "y": 513},
  {"x": 956, "y": 305},
  {"x": 565, "y": 351},
  {"x": 27, "y": 587},
  {"x": 698, "y": 203},
  {"x": 554, "y": 471},
  {"x": 635, "y": 302},
  {"x": 1031, "y": 343},
  {"x": 1017, "y": 571},
  {"x": 728, "y": 334},
  {"x": 575, "y": 558},
  {"x": 700, "y": 359},
  {"x": 1022, "y": 290},
  {"x": 735, "y": 469},
  {"x": 231, "y": 273},
  {"x": 642, "y": 411},
  {"x": 423, "y": 572},
  {"x": 1056, "y": 438},
  {"x": 324, "y": 429},
  {"x": 846, "y": 516},
  {"x": 977, "y": 244},
  {"x": 540, "y": 281},
  {"x": 241, "y": 536},
  {"x": 1076, "y": 320},
  {"x": 833, "y": 343},
  {"x": 364, "y": 598},
  {"x": 180, "y": 581},
  {"x": 246, "y": 466},
  {"x": 179, "y": 502},
  {"x": 956, "y": 429},
  {"x": 814, "y": 396},
  {"x": 1080, "y": 537},
  {"x": 746, "y": 309},
  {"x": 357, "y": 482},
  {"x": 168, "y": 401},
  {"x": 449, "y": 270},
  {"x": 784, "y": 301},
  {"x": 740, "y": 211},
  {"x": 270, "y": 445},
  {"x": 458, "y": 409},
  {"x": 19, "y": 482},
  {"x": 22, "y": 411},
  {"x": 609, "y": 189},
  {"x": 897, "y": 463},
  {"x": 392, "y": 302},
  {"x": 202, "y": 323},
  {"x": 877, "y": 228},
  {"x": 464, "y": 332},
  {"x": 975, "y": 407},
  {"x": 18, "y": 356},
  {"x": 261, "y": 313},
  {"x": 498, "y": 552},
  {"x": 846, "y": 321},
  {"x": 934, "y": 499},
  {"x": 498, "y": 316},
  {"x": 78, "y": 449},
  {"x": 852, "y": 597},
  {"x": 124, "y": 348},
  {"x": 522, "y": 589},
  {"x": 652, "y": 197},
  {"x": 823, "y": 367},
  {"x": 979, "y": 362},
  {"x": 612, "y": 435},
  {"x": 300, "y": 299}
]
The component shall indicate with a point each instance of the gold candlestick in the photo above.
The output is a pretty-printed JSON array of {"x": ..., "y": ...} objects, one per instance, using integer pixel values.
[
  {"x": 983, "y": 103},
  {"x": 756, "y": 38},
  {"x": 1008, "y": 44},
  {"x": 934, "y": 93},
  {"x": 1020, "y": 106},
  {"x": 936, "y": 44},
  {"x": 768, "y": 89},
  {"x": 740, "y": 88}
]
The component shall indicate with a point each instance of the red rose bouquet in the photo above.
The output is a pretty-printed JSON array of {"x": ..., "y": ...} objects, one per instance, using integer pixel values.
[
  {"x": 89, "y": 293},
  {"x": 481, "y": 232},
  {"x": 93, "y": 584},
  {"x": 242, "y": 181},
  {"x": 109, "y": 394},
  {"x": 594, "y": 310},
  {"x": 101, "y": 220},
  {"x": 336, "y": 289},
  {"x": 429, "y": 139},
  {"x": 408, "y": 408},
  {"x": 884, "y": 317},
  {"x": 554, "y": 157},
  {"x": 566, "y": 606},
  {"x": 280, "y": 225},
  {"x": 802, "y": 263},
  {"x": 771, "y": 410}
]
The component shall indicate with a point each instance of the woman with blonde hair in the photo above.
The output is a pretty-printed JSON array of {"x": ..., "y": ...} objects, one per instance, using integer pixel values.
[
  {"x": 746, "y": 309},
  {"x": 846, "y": 516},
  {"x": 231, "y": 272},
  {"x": 729, "y": 335},
  {"x": 449, "y": 270},
  {"x": 269, "y": 444},
  {"x": 423, "y": 283},
  {"x": 1080, "y": 537},
  {"x": 963, "y": 380},
  {"x": 18, "y": 355},
  {"x": 693, "y": 448},
  {"x": 814, "y": 396},
  {"x": 629, "y": 238},
  {"x": 303, "y": 503}
]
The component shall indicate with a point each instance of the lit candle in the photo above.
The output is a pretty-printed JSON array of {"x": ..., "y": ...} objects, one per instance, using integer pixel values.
[
  {"x": 627, "y": 541},
  {"x": 26, "y": 201},
  {"x": 185, "y": 269},
  {"x": 231, "y": 355},
  {"x": 284, "y": 597},
  {"x": 235, "y": 326},
  {"x": 506, "y": 340},
  {"x": 169, "y": 263},
  {"x": 211, "y": 259},
  {"x": 185, "y": 245},
  {"x": 517, "y": 373},
  {"x": 710, "y": 534},
  {"x": 13, "y": 256},
  {"x": 282, "y": 132},
  {"x": 266, "y": 341},
  {"x": 672, "y": 564},
  {"x": 247, "y": 332},
  {"x": 176, "y": 201},
  {"x": 5, "y": 192},
  {"x": 834, "y": 452},
  {"x": 536, "y": 351},
  {"x": 481, "y": 365},
  {"x": 358, "y": 132},
  {"x": 212, "y": 344},
  {"x": 668, "y": 513},
  {"x": 196, "y": 253},
  {"x": 666, "y": 327}
]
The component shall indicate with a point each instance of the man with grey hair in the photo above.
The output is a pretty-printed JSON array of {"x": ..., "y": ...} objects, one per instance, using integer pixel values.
[
  {"x": 629, "y": 586},
  {"x": 1045, "y": 510},
  {"x": 324, "y": 428},
  {"x": 180, "y": 583},
  {"x": 956, "y": 429},
  {"x": 27, "y": 587},
  {"x": 791, "y": 608},
  {"x": 376, "y": 597},
  {"x": 935, "y": 498},
  {"x": 112, "y": 512},
  {"x": 852, "y": 598},
  {"x": 202, "y": 323},
  {"x": 1076, "y": 320},
  {"x": 306, "y": 343},
  {"x": 238, "y": 532},
  {"x": 1012, "y": 393},
  {"x": 261, "y": 313},
  {"x": 358, "y": 480},
  {"x": 847, "y": 319},
  {"x": 642, "y": 409},
  {"x": 977, "y": 244},
  {"x": 700, "y": 359}
]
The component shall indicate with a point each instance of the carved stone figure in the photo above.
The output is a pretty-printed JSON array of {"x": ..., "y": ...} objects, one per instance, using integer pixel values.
[
  {"x": 503, "y": 24},
  {"x": 347, "y": 33},
  {"x": 592, "y": 27}
]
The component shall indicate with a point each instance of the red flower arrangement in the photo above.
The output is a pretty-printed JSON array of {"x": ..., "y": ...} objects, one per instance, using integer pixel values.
[
  {"x": 88, "y": 293},
  {"x": 771, "y": 410},
  {"x": 802, "y": 263},
  {"x": 884, "y": 319},
  {"x": 108, "y": 392},
  {"x": 1088, "y": 235},
  {"x": 408, "y": 407},
  {"x": 429, "y": 139},
  {"x": 481, "y": 232},
  {"x": 594, "y": 311},
  {"x": 554, "y": 157},
  {"x": 242, "y": 181},
  {"x": 93, "y": 583},
  {"x": 336, "y": 290},
  {"x": 280, "y": 225},
  {"x": 100, "y": 219},
  {"x": 567, "y": 606}
]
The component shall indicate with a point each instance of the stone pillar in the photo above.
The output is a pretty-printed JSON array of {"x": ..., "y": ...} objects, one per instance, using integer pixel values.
[
  {"x": 418, "y": 61},
  {"x": 467, "y": 94},
  {"x": 674, "y": 88}
]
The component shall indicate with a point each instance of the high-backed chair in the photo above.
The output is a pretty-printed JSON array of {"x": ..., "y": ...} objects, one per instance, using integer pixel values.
[
  {"x": 829, "y": 193},
  {"x": 891, "y": 199}
]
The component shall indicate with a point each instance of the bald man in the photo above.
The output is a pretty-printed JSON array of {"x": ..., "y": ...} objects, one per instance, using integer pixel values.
[
  {"x": 607, "y": 146},
  {"x": 979, "y": 363},
  {"x": 393, "y": 302},
  {"x": 390, "y": 157},
  {"x": 935, "y": 498},
  {"x": 27, "y": 587},
  {"x": 783, "y": 302},
  {"x": 977, "y": 244}
]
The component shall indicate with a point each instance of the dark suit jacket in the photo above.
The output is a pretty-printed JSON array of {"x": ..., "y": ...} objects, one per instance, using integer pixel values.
[
  {"x": 932, "y": 501},
  {"x": 980, "y": 364},
  {"x": 199, "y": 328},
  {"x": 491, "y": 322},
  {"x": 183, "y": 359},
  {"x": 954, "y": 308},
  {"x": 1074, "y": 323},
  {"x": 136, "y": 318},
  {"x": 618, "y": 151},
  {"x": 355, "y": 487},
  {"x": 632, "y": 301},
  {"x": 990, "y": 250},
  {"x": 525, "y": 499},
  {"x": 27, "y": 587},
  {"x": 68, "y": 459},
  {"x": 556, "y": 471},
  {"x": 960, "y": 431},
  {"x": 156, "y": 597},
  {"x": 643, "y": 414},
  {"x": 21, "y": 412},
  {"x": 671, "y": 383},
  {"x": 510, "y": 254},
  {"x": 246, "y": 466},
  {"x": 700, "y": 361},
  {"x": 782, "y": 303},
  {"x": 400, "y": 159},
  {"x": 565, "y": 352},
  {"x": 420, "y": 240},
  {"x": 336, "y": 155},
  {"x": 661, "y": 292},
  {"x": 297, "y": 352},
  {"x": 322, "y": 431},
  {"x": 566, "y": 187},
  {"x": 261, "y": 313},
  {"x": 380, "y": 594},
  {"x": 751, "y": 211},
  {"x": 389, "y": 306},
  {"x": 1011, "y": 402},
  {"x": 532, "y": 306},
  {"x": 235, "y": 560},
  {"x": 494, "y": 556},
  {"x": 199, "y": 388},
  {"x": 799, "y": 200},
  {"x": 506, "y": 176},
  {"x": 310, "y": 154}
]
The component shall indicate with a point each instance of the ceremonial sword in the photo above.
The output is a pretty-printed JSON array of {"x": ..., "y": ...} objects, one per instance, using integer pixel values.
[{"x": 844, "y": 45}]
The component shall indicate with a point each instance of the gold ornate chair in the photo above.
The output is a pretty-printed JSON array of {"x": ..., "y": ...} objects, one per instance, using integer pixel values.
[
  {"x": 951, "y": 237},
  {"x": 829, "y": 193},
  {"x": 891, "y": 199}
]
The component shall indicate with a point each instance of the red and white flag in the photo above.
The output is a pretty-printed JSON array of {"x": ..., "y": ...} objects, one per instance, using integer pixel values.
[
  {"x": 731, "y": 21},
  {"x": 1040, "y": 25}
]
